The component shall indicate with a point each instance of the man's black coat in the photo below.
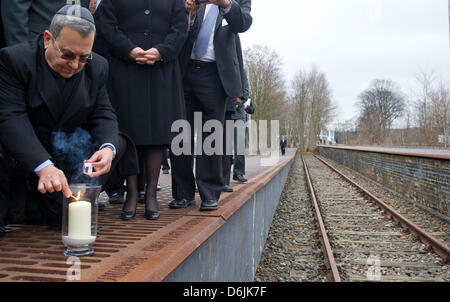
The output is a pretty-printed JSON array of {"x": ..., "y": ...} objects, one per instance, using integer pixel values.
[{"x": 32, "y": 106}]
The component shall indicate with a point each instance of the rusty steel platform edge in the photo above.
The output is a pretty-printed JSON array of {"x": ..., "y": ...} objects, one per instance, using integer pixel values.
[
  {"x": 150, "y": 266},
  {"x": 368, "y": 149}
]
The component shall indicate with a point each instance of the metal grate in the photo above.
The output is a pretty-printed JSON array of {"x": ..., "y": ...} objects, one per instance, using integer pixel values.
[
  {"x": 35, "y": 253},
  {"x": 125, "y": 250}
]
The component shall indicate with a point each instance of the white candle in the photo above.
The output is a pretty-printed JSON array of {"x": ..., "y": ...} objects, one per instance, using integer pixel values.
[{"x": 80, "y": 219}]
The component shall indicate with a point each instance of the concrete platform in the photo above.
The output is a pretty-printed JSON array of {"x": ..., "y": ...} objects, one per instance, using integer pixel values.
[
  {"x": 183, "y": 245},
  {"x": 416, "y": 152},
  {"x": 420, "y": 175}
]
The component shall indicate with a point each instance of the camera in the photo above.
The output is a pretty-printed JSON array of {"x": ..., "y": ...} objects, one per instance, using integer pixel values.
[{"x": 198, "y": 2}]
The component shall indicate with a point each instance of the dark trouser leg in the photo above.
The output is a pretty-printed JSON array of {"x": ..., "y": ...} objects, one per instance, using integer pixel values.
[
  {"x": 142, "y": 177},
  {"x": 209, "y": 97},
  {"x": 239, "y": 159},
  {"x": 203, "y": 93},
  {"x": 124, "y": 166},
  {"x": 165, "y": 162},
  {"x": 183, "y": 181},
  {"x": 226, "y": 158},
  {"x": 12, "y": 190},
  {"x": 113, "y": 182}
]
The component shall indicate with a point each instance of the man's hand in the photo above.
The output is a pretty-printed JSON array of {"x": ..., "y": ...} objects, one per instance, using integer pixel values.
[
  {"x": 237, "y": 101},
  {"x": 52, "y": 179},
  {"x": 150, "y": 57},
  {"x": 221, "y": 3},
  {"x": 101, "y": 161}
]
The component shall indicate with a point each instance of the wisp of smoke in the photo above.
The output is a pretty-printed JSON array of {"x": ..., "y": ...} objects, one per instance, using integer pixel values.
[{"x": 69, "y": 151}]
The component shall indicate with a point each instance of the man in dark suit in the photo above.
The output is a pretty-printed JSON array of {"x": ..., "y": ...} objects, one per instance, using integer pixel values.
[
  {"x": 25, "y": 19},
  {"x": 211, "y": 76},
  {"x": 283, "y": 144},
  {"x": 55, "y": 84}
]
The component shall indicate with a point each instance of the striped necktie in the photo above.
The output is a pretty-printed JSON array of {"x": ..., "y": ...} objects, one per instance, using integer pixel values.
[{"x": 93, "y": 6}]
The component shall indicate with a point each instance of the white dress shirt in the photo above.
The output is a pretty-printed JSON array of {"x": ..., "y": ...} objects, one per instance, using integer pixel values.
[
  {"x": 210, "y": 55},
  {"x": 49, "y": 162}
]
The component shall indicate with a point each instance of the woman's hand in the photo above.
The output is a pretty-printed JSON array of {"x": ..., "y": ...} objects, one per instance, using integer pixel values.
[
  {"x": 136, "y": 53},
  {"x": 149, "y": 57}
]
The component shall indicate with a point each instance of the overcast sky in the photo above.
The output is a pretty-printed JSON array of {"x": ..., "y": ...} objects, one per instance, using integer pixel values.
[{"x": 355, "y": 41}]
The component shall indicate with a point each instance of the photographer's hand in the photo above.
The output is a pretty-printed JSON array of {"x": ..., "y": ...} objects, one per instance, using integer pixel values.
[{"x": 192, "y": 8}]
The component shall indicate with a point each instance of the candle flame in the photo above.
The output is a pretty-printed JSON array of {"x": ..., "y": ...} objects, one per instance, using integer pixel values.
[{"x": 77, "y": 197}]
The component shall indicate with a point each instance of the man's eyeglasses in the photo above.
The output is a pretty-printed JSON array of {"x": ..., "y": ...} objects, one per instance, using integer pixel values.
[{"x": 70, "y": 56}]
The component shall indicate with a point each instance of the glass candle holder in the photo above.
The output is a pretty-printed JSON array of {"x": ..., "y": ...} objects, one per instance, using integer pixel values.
[{"x": 79, "y": 221}]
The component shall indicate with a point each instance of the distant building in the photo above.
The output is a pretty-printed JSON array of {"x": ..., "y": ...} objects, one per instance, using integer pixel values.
[{"x": 326, "y": 136}]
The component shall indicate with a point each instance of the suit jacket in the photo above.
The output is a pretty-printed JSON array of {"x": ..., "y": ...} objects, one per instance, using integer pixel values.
[
  {"x": 2, "y": 35},
  {"x": 238, "y": 20},
  {"x": 23, "y": 20},
  {"x": 240, "y": 111},
  {"x": 32, "y": 106}
]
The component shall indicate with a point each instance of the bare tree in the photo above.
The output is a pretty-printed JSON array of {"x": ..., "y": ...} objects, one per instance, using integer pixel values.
[
  {"x": 312, "y": 107},
  {"x": 432, "y": 109},
  {"x": 379, "y": 105},
  {"x": 267, "y": 85}
]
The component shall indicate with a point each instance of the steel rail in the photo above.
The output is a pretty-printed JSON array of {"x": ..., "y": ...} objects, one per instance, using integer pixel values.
[
  {"x": 326, "y": 246},
  {"x": 432, "y": 242}
]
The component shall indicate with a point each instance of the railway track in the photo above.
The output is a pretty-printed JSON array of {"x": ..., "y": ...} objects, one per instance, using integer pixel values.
[
  {"x": 365, "y": 241},
  {"x": 292, "y": 251}
]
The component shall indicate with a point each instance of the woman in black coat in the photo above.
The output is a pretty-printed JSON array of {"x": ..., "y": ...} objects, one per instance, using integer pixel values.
[{"x": 144, "y": 38}]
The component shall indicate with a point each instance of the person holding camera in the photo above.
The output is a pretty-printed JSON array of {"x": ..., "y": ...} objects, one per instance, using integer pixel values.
[
  {"x": 143, "y": 40},
  {"x": 210, "y": 66}
]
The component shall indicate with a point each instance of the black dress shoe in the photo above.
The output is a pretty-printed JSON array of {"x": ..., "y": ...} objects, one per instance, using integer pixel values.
[
  {"x": 128, "y": 215},
  {"x": 165, "y": 171},
  {"x": 240, "y": 178},
  {"x": 116, "y": 198},
  {"x": 141, "y": 197},
  {"x": 227, "y": 188},
  {"x": 151, "y": 215},
  {"x": 208, "y": 205},
  {"x": 180, "y": 203}
]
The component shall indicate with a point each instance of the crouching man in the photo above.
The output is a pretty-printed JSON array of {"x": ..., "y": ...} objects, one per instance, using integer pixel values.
[{"x": 55, "y": 84}]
